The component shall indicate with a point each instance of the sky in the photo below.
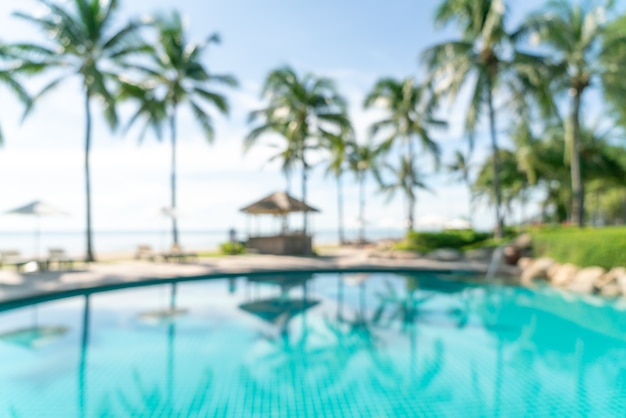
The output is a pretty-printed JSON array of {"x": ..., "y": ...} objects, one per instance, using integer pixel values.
[{"x": 355, "y": 43}]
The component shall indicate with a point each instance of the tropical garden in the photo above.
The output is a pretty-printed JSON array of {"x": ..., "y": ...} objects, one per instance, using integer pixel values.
[{"x": 527, "y": 87}]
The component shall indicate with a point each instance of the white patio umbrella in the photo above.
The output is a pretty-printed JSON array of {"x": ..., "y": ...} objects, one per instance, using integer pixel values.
[
  {"x": 457, "y": 223},
  {"x": 37, "y": 209},
  {"x": 168, "y": 213}
]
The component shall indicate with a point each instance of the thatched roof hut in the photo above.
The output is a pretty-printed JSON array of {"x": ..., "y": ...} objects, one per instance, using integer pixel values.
[{"x": 279, "y": 203}]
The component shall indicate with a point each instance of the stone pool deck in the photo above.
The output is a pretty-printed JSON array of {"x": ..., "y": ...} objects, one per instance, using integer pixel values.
[{"x": 16, "y": 286}]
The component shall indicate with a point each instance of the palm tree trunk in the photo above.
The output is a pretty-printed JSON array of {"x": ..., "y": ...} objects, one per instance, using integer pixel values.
[
  {"x": 171, "y": 338},
  {"x": 362, "y": 207},
  {"x": 305, "y": 214},
  {"x": 411, "y": 195},
  {"x": 578, "y": 202},
  {"x": 340, "y": 210},
  {"x": 89, "y": 256},
  {"x": 496, "y": 159},
  {"x": 173, "y": 179},
  {"x": 287, "y": 182},
  {"x": 470, "y": 201}
]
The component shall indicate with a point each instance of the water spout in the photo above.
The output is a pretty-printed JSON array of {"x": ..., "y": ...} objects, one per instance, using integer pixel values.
[{"x": 496, "y": 260}]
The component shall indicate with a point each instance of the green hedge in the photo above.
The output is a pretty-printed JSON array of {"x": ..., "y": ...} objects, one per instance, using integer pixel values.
[
  {"x": 428, "y": 241},
  {"x": 232, "y": 248},
  {"x": 604, "y": 247}
]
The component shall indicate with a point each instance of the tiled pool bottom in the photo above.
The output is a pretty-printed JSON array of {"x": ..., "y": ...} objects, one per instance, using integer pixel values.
[{"x": 362, "y": 345}]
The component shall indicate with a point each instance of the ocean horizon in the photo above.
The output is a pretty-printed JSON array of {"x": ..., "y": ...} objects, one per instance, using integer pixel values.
[{"x": 111, "y": 241}]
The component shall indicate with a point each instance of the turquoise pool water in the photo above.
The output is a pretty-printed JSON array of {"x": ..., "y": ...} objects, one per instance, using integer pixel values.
[{"x": 321, "y": 345}]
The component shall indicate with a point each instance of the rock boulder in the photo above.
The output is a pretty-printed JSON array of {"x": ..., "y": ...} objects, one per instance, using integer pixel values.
[
  {"x": 562, "y": 275},
  {"x": 538, "y": 269},
  {"x": 524, "y": 262},
  {"x": 611, "y": 290},
  {"x": 612, "y": 276},
  {"x": 584, "y": 281}
]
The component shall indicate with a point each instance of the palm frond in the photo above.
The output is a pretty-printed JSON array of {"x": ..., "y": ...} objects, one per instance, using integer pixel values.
[{"x": 204, "y": 120}]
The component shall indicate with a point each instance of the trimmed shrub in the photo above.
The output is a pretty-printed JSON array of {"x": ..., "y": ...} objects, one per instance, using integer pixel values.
[
  {"x": 429, "y": 241},
  {"x": 232, "y": 248},
  {"x": 604, "y": 247}
]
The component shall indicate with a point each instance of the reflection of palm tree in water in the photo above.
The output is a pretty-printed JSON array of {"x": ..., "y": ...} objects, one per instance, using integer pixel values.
[
  {"x": 405, "y": 307},
  {"x": 307, "y": 355},
  {"x": 298, "y": 366},
  {"x": 359, "y": 322},
  {"x": 82, "y": 366},
  {"x": 155, "y": 402},
  {"x": 152, "y": 403},
  {"x": 523, "y": 326},
  {"x": 339, "y": 356}
]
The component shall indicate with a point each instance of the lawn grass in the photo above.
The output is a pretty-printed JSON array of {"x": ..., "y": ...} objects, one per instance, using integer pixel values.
[{"x": 604, "y": 247}]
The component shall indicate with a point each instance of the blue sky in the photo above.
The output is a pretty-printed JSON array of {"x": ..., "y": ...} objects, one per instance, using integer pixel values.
[{"x": 353, "y": 42}]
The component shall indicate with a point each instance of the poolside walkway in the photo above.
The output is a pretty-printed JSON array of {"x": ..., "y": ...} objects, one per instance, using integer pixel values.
[{"x": 18, "y": 286}]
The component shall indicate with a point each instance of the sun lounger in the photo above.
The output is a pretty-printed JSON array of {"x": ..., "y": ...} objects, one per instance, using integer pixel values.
[
  {"x": 144, "y": 252},
  {"x": 177, "y": 254},
  {"x": 58, "y": 257},
  {"x": 13, "y": 258}
]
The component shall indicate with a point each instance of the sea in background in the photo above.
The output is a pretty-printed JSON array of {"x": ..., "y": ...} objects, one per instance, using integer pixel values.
[{"x": 73, "y": 242}]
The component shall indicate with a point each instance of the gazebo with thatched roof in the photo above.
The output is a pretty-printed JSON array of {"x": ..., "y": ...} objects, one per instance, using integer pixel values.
[{"x": 285, "y": 242}]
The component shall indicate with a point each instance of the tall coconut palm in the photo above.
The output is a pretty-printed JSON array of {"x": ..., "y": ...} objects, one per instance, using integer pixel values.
[
  {"x": 339, "y": 147},
  {"x": 83, "y": 43},
  {"x": 176, "y": 76},
  {"x": 406, "y": 179},
  {"x": 409, "y": 110},
  {"x": 287, "y": 156},
  {"x": 482, "y": 60},
  {"x": 409, "y": 115},
  {"x": 9, "y": 69},
  {"x": 574, "y": 33},
  {"x": 363, "y": 160},
  {"x": 513, "y": 181},
  {"x": 302, "y": 111}
]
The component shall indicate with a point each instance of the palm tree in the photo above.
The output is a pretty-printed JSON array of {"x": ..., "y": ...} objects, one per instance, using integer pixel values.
[
  {"x": 482, "y": 59},
  {"x": 460, "y": 167},
  {"x": 528, "y": 155},
  {"x": 175, "y": 76},
  {"x": 513, "y": 181},
  {"x": 362, "y": 160},
  {"x": 406, "y": 179},
  {"x": 613, "y": 82},
  {"x": 584, "y": 57},
  {"x": 287, "y": 154},
  {"x": 409, "y": 115},
  {"x": 8, "y": 78},
  {"x": 302, "y": 111},
  {"x": 409, "y": 111},
  {"x": 339, "y": 147},
  {"x": 83, "y": 43}
]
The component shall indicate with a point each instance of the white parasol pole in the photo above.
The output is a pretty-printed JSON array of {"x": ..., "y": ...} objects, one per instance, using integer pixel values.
[{"x": 38, "y": 236}]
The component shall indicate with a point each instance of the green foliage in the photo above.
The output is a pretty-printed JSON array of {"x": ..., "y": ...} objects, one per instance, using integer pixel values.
[
  {"x": 604, "y": 247},
  {"x": 488, "y": 243},
  {"x": 232, "y": 248},
  {"x": 428, "y": 241}
]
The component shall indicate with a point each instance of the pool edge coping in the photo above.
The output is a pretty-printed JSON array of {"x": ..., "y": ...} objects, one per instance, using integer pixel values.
[{"x": 53, "y": 295}]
